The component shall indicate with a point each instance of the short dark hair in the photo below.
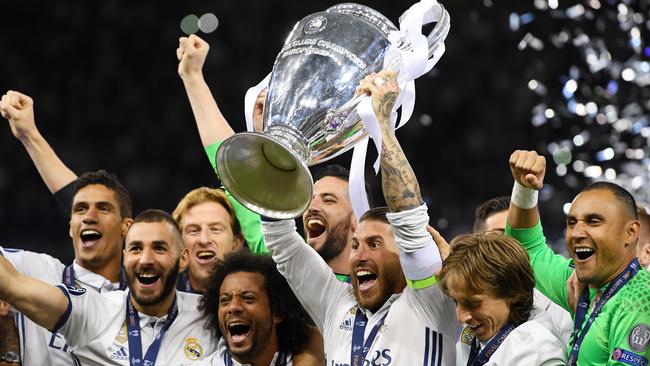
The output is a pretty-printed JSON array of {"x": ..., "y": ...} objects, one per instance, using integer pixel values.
[
  {"x": 492, "y": 263},
  {"x": 338, "y": 171},
  {"x": 376, "y": 213},
  {"x": 110, "y": 181},
  {"x": 292, "y": 330},
  {"x": 622, "y": 195},
  {"x": 487, "y": 209},
  {"x": 153, "y": 215}
]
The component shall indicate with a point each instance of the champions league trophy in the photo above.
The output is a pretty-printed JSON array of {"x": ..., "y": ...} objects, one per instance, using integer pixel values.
[{"x": 310, "y": 110}]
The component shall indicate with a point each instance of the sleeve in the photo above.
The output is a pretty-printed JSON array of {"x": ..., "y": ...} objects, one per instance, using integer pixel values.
[
  {"x": 629, "y": 337},
  {"x": 38, "y": 265},
  {"x": 64, "y": 197},
  {"x": 551, "y": 270},
  {"x": 419, "y": 255},
  {"x": 81, "y": 324},
  {"x": 310, "y": 278},
  {"x": 420, "y": 259},
  {"x": 248, "y": 220}
]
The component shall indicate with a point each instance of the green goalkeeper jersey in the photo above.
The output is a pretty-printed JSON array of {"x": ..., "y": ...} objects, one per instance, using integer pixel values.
[{"x": 620, "y": 335}]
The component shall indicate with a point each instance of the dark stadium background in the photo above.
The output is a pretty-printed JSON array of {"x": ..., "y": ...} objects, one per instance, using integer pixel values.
[{"x": 107, "y": 95}]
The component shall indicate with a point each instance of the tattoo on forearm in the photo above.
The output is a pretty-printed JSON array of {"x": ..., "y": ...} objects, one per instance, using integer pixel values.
[
  {"x": 399, "y": 184},
  {"x": 386, "y": 103}
]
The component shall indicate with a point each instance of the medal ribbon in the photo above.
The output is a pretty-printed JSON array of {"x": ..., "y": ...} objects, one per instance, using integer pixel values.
[
  {"x": 477, "y": 358},
  {"x": 135, "y": 341},
  {"x": 583, "y": 306},
  {"x": 359, "y": 347}
]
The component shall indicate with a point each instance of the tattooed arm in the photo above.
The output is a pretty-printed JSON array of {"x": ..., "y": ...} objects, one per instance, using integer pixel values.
[{"x": 399, "y": 184}]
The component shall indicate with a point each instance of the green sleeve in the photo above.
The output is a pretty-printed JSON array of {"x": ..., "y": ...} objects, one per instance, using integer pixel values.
[
  {"x": 249, "y": 221},
  {"x": 551, "y": 270}
]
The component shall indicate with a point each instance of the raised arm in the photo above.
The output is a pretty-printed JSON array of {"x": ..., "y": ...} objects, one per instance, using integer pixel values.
[
  {"x": 310, "y": 278},
  {"x": 18, "y": 108},
  {"x": 398, "y": 182},
  {"x": 551, "y": 271},
  {"x": 43, "y": 303},
  {"x": 419, "y": 255},
  {"x": 212, "y": 125}
]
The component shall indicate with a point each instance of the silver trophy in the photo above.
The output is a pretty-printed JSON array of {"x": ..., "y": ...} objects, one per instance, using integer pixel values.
[{"x": 310, "y": 109}]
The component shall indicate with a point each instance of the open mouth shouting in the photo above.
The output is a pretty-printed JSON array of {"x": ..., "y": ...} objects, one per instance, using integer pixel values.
[
  {"x": 90, "y": 237},
  {"x": 583, "y": 253},
  {"x": 315, "y": 227},
  {"x": 206, "y": 256},
  {"x": 366, "y": 279},
  {"x": 147, "y": 279},
  {"x": 238, "y": 332}
]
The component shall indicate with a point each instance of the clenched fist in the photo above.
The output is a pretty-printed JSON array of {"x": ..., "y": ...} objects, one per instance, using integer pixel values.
[
  {"x": 191, "y": 54},
  {"x": 384, "y": 90},
  {"x": 528, "y": 168},
  {"x": 18, "y": 108}
]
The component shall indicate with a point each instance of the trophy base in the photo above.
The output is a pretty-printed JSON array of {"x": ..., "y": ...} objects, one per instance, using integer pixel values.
[{"x": 264, "y": 176}]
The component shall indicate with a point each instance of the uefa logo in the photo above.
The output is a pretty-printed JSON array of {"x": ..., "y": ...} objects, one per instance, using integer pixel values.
[{"x": 315, "y": 25}]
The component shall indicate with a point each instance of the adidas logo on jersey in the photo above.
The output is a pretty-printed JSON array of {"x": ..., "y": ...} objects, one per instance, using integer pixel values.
[
  {"x": 346, "y": 325},
  {"x": 120, "y": 354}
]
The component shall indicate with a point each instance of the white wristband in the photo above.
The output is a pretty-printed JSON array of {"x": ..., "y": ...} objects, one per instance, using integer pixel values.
[{"x": 524, "y": 197}]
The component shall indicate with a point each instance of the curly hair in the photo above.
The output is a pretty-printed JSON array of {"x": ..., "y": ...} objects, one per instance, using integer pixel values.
[
  {"x": 292, "y": 331},
  {"x": 494, "y": 264}
]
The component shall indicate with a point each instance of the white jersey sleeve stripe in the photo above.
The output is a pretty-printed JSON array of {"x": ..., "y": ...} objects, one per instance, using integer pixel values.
[
  {"x": 66, "y": 315},
  {"x": 20, "y": 321}
]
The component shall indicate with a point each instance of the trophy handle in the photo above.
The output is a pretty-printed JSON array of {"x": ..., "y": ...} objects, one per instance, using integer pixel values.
[
  {"x": 435, "y": 38},
  {"x": 439, "y": 32}
]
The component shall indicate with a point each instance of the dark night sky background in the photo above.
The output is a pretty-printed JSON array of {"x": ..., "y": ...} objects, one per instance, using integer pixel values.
[{"x": 107, "y": 95}]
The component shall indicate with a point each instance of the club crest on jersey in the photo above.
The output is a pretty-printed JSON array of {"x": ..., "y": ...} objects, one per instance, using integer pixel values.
[
  {"x": 467, "y": 336},
  {"x": 639, "y": 338},
  {"x": 122, "y": 336},
  {"x": 76, "y": 290},
  {"x": 193, "y": 350}
]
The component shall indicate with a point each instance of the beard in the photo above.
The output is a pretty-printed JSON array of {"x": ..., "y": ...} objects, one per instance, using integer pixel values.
[
  {"x": 391, "y": 281},
  {"x": 337, "y": 240},
  {"x": 170, "y": 283}
]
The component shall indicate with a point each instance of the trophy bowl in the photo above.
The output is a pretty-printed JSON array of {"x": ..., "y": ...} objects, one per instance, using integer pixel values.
[{"x": 310, "y": 108}]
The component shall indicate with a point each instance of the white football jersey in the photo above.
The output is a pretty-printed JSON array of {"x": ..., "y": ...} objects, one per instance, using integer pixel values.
[
  {"x": 37, "y": 345},
  {"x": 219, "y": 358},
  {"x": 535, "y": 342},
  {"x": 420, "y": 328},
  {"x": 560, "y": 317},
  {"x": 95, "y": 328}
]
